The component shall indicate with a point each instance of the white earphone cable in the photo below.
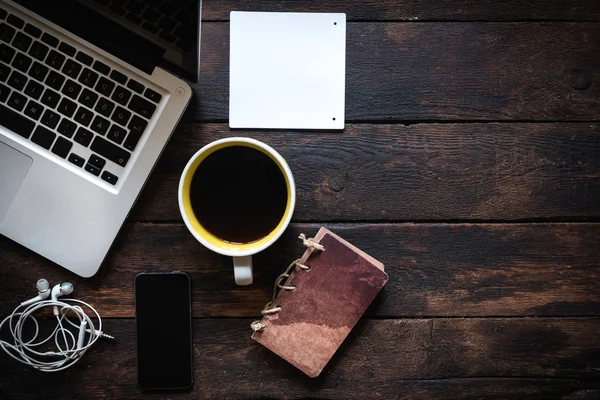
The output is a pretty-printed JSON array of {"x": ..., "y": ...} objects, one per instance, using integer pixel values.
[{"x": 68, "y": 350}]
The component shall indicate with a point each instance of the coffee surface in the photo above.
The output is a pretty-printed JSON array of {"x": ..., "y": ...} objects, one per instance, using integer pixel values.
[{"x": 239, "y": 194}]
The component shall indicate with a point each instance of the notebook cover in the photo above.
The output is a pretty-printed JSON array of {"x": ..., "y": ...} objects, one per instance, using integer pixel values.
[{"x": 327, "y": 303}]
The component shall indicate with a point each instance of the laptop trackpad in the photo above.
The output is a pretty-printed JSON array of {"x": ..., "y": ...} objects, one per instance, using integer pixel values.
[{"x": 13, "y": 169}]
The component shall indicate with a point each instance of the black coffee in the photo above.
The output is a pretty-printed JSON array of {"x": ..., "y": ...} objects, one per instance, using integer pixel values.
[{"x": 239, "y": 194}]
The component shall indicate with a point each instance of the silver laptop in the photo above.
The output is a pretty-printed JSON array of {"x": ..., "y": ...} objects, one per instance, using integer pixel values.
[{"x": 88, "y": 101}]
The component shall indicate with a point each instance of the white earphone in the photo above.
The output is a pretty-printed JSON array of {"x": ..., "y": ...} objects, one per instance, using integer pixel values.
[
  {"x": 69, "y": 350},
  {"x": 43, "y": 287},
  {"x": 60, "y": 290}
]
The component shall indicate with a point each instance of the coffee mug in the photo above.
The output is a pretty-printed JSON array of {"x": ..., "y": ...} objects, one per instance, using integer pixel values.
[{"x": 237, "y": 196}]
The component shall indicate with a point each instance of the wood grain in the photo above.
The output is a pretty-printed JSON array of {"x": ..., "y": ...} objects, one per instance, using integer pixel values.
[
  {"x": 427, "y": 358},
  {"x": 418, "y": 10},
  {"x": 434, "y": 269},
  {"x": 431, "y": 172},
  {"x": 442, "y": 71}
]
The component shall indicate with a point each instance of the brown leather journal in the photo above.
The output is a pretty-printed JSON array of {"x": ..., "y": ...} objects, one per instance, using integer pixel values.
[{"x": 327, "y": 302}]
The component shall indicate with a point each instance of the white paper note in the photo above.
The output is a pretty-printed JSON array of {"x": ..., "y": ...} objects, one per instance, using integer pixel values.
[{"x": 287, "y": 70}]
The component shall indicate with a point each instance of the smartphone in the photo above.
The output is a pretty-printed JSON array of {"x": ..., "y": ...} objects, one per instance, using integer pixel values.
[{"x": 163, "y": 319}]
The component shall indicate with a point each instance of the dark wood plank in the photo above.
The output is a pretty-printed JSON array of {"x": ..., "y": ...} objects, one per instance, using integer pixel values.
[
  {"x": 441, "y": 71},
  {"x": 440, "y": 358},
  {"x": 419, "y": 172},
  {"x": 434, "y": 269},
  {"x": 418, "y": 10}
]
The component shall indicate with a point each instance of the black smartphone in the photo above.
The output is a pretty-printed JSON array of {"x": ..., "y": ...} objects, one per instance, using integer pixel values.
[{"x": 163, "y": 318}]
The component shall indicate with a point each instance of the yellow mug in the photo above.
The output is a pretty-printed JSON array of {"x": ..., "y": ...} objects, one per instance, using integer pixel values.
[{"x": 241, "y": 252}]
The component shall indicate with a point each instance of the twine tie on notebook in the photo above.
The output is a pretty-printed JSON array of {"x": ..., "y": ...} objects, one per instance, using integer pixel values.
[
  {"x": 310, "y": 243},
  {"x": 258, "y": 326}
]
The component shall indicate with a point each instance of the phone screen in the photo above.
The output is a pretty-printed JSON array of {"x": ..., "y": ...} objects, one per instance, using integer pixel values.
[{"x": 164, "y": 331}]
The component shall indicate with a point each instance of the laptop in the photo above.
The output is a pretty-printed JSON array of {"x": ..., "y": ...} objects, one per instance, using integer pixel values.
[{"x": 90, "y": 92}]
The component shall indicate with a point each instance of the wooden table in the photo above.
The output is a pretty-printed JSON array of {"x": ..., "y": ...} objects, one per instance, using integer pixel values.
[{"x": 470, "y": 165}]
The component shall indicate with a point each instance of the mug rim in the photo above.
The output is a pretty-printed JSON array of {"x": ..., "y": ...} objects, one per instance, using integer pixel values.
[{"x": 230, "y": 249}]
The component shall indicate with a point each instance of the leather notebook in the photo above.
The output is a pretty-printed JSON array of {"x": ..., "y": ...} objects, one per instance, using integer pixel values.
[{"x": 327, "y": 302}]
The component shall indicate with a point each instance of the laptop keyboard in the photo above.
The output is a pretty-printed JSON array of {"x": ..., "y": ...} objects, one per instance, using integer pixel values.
[
  {"x": 63, "y": 100},
  {"x": 173, "y": 21}
]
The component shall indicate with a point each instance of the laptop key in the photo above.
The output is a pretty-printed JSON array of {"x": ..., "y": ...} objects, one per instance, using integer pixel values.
[
  {"x": 62, "y": 147},
  {"x": 182, "y": 17},
  {"x": 121, "y": 95},
  {"x": 22, "y": 62},
  {"x": 50, "y": 119},
  {"x": 83, "y": 137},
  {"x": 152, "y": 95},
  {"x": 105, "y": 87},
  {"x": 88, "y": 98},
  {"x": 110, "y": 178},
  {"x": 92, "y": 170},
  {"x": 135, "y": 86},
  {"x": 66, "y": 107},
  {"x": 67, "y": 128},
  {"x": 77, "y": 160},
  {"x": 83, "y": 116},
  {"x": 34, "y": 110},
  {"x": 167, "y": 24},
  {"x": 49, "y": 39},
  {"x": 38, "y": 71},
  {"x": 105, "y": 107},
  {"x": 136, "y": 127},
  {"x": 118, "y": 76},
  {"x": 4, "y": 72},
  {"x": 142, "y": 107},
  {"x": 88, "y": 77},
  {"x": 3, "y": 13},
  {"x": 100, "y": 125},
  {"x": 16, "y": 122},
  {"x": 67, "y": 49},
  {"x": 110, "y": 151},
  {"x": 72, "y": 69},
  {"x": 15, "y": 21},
  {"x": 101, "y": 67},
  {"x": 167, "y": 9},
  {"x": 54, "y": 80},
  {"x": 4, "y": 92},
  {"x": 96, "y": 161},
  {"x": 84, "y": 58},
  {"x": 17, "y": 101},
  {"x": 38, "y": 51},
  {"x": 121, "y": 116},
  {"x": 17, "y": 80},
  {"x": 43, "y": 137},
  {"x": 55, "y": 59},
  {"x": 34, "y": 89},
  {"x": 6, "y": 32},
  {"x": 151, "y": 15},
  {"x": 71, "y": 89},
  {"x": 50, "y": 98},
  {"x": 22, "y": 41},
  {"x": 33, "y": 30},
  {"x": 116, "y": 134},
  {"x": 6, "y": 53}
]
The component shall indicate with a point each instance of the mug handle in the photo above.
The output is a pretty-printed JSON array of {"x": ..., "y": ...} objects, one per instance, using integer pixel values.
[{"x": 242, "y": 270}]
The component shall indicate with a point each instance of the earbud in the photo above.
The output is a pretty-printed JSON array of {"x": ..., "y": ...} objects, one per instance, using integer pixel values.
[
  {"x": 60, "y": 290},
  {"x": 43, "y": 288}
]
